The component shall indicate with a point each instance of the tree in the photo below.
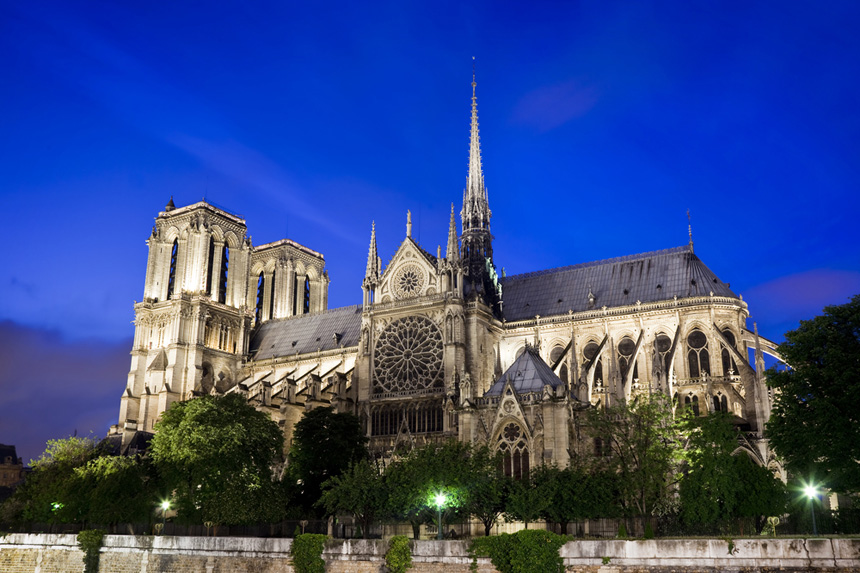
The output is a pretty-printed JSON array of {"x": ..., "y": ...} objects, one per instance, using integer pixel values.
[
  {"x": 815, "y": 418},
  {"x": 358, "y": 491},
  {"x": 486, "y": 487},
  {"x": 415, "y": 480},
  {"x": 644, "y": 445},
  {"x": 49, "y": 494},
  {"x": 116, "y": 489},
  {"x": 216, "y": 454},
  {"x": 720, "y": 484},
  {"x": 325, "y": 444},
  {"x": 529, "y": 497},
  {"x": 577, "y": 492}
]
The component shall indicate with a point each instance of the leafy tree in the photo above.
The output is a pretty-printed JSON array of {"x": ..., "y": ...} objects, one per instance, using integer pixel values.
[
  {"x": 814, "y": 421},
  {"x": 645, "y": 449},
  {"x": 359, "y": 491},
  {"x": 577, "y": 492},
  {"x": 414, "y": 481},
  {"x": 49, "y": 495},
  {"x": 116, "y": 489},
  {"x": 216, "y": 454},
  {"x": 325, "y": 444},
  {"x": 529, "y": 497},
  {"x": 486, "y": 487},
  {"x": 722, "y": 485}
]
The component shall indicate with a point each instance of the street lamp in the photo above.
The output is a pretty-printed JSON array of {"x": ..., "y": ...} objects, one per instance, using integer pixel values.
[
  {"x": 812, "y": 493},
  {"x": 165, "y": 505},
  {"x": 440, "y": 500}
]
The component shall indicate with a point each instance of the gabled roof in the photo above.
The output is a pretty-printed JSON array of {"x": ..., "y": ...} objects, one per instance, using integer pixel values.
[
  {"x": 647, "y": 277},
  {"x": 307, "y": 333},
  {"x": 528, "y": 373}
]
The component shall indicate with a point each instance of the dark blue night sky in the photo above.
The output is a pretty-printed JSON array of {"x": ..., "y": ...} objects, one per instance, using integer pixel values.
[{"x": 601, "y": 124}]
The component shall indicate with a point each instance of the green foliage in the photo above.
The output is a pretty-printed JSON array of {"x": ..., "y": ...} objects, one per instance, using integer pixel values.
[
  {"x": 307, "y": 553},
  {"x": 649, "y": 531},
  {"x": 622, "y": 530},
  {"x": 359, "y": 491},
  {"x": 645, "y": 450},
  {"x": 813, "y": 424},
  {"x": 50, "y": 494},
  {"x": 577, "y": 492},
  {"x": 216, "y": 454},
  {"x": 719, "y": 486},
  {"x": 487, "y": 487},
  {"x": 116, "y": 489},
  {"x": 606, "y": 560},
  {"x": 324, "y": 445},
  {"x": 398, "y": 558},
  {"x": 526, "y": 551},
  {"x": 414, "y": 481},
  {"x": 529, "y": 498},
  {"x": 90, "y": 542}
]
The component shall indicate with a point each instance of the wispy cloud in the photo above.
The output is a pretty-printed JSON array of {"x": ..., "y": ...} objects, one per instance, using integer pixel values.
[
  {"x": 785, "y": 301},
  {"x": 549, "y": 107},
  {"x": 51, "y": 387}
]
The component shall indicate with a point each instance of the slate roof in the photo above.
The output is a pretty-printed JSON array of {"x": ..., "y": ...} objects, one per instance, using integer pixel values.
[
  {"x": 647, "y": 277},
  {"x": 307, "y": 333},
  {"x": 8, "y": 451},
  {"x": 528, "y": 373}
]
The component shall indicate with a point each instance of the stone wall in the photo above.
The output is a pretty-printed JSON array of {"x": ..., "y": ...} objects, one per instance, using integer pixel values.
[{"x": 58, "y": 553}]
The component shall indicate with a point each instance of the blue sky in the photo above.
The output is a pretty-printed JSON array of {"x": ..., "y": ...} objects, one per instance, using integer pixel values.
[{"x": 601, "y": 124}]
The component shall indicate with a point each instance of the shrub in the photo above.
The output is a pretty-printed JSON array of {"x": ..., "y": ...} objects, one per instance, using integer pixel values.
[
  {"x": 307, "y": 553},
  {"x": 90, "y": 542},
  {"x": 398, "y": 558},
  {"x": 527, "y": 551},
  {"x": 649, "y": 531},
  {"x": 622, "y": 531}
]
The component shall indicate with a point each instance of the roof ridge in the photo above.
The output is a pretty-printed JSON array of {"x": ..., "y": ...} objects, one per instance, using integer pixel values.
[{"x": 625, "y": 258}]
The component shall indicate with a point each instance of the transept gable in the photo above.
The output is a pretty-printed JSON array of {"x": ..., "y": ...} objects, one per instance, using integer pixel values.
[{"x": 410, "y": 273}]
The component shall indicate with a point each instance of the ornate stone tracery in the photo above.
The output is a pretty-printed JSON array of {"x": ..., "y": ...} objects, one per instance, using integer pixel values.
[
  {"x": 409, "y": 281},
  {"x": 408, "y": 356}
]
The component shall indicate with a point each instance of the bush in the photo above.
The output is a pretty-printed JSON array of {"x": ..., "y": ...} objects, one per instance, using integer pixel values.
[
  {"x": 90, "y": 542},
  {"x": 398, "y": 558},
  {"x": 307, "y": 553},
  {"x": 649, "y": 531},
  {"x": 526, "y": 551},
  {"x": 622, "y": 531}
]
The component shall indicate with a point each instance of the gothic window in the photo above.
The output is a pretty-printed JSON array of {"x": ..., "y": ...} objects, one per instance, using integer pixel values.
[
  {"x": 555, "y": 355},
  {"x": 590, "y": 353},
  {"x": 408, "y": 356},
  {"x": 562, "y": 373},
  {"x": 409, "y": 281},
  {"x": 210, "y": 260},
  {"x": 421, "y": 417},
  {"x": 729, "y": 366},
  {"x": 598, "y": 448},
  {"x": 515, "y": 451},
  {"x": 697, "y": 354},
  {"x": 625, "y": 357},
  {"x": 721, "y": 404},
  {"x": 222, "y": 277},
  {"x": 664, "y": 345},
  {"x": 261, "y": 289},
  {"x": 692, "y": 403},
  {"x": 171, "y": 279},
  {"x": 306, "y": 297}
]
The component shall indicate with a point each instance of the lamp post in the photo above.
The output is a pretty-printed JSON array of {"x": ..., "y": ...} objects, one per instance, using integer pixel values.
[
  {"x": 440, "y": 503},
  {"x": 812, "y": 494},
  {"x": 165, "y": 505}
]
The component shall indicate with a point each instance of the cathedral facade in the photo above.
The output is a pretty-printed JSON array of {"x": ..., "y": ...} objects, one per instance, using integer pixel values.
[{"x": 442, "y": 346}]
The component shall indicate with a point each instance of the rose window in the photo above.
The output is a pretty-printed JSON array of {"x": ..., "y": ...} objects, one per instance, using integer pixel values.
[
  {"x": 408, "y": 356},
  {"x": 408, "y": 281}
]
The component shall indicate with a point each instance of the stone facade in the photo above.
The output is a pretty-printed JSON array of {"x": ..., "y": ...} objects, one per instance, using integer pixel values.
[{"x": 441, "y": 346}]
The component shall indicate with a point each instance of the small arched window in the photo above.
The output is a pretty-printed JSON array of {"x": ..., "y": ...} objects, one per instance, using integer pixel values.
[
  {"x": 272, "y": 294},
  {"x": 306, "y": 305},
  {"x": 730, "y": 368},
  {"x": 697, "y": 354},
  {"x": 562, "y": 374},
  {"x": 209, "y": 271},
  {"x": 555, "y": 355},
  {"x": 222, "y": 277},
  {"x": 171, "y": 278},
  {"x": 692, "y": 403},
  {"x": 664, "y": 345}
]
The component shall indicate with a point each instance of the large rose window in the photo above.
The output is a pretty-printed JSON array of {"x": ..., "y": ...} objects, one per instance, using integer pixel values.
[{"x": 408, "y": 356}]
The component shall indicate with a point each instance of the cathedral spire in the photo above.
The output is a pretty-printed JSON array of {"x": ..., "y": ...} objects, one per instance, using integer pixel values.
[
  {"x": 476, "y": 210},
  {"x": 372, "y": 271},
  {"x": 453, "y": 253}
]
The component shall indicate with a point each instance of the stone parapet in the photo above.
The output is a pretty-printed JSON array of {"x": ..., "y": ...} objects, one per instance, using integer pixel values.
[{"x": 45, "y": 553}]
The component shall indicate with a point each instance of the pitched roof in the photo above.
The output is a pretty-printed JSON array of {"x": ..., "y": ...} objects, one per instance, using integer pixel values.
[
  {"x": 646, "y": 277},
  {"x": 307, "y": 333},
  {"x": 528, "y": 373}
]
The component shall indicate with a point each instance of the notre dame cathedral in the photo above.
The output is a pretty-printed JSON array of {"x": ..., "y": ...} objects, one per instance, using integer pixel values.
[{"x": 442, "y": 346}]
